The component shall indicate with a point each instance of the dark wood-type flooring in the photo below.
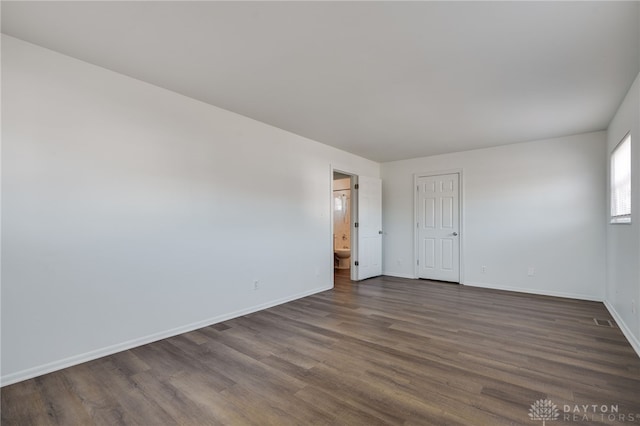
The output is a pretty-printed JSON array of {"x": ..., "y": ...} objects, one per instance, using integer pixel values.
[{"x": 383, "y": 351}]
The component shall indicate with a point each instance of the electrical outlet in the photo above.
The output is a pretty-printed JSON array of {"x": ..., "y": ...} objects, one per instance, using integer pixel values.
[
  {"x": 256, "y": 284},
  {"x": 484, "y": 269},
  {"x": 531, "y": 271}
]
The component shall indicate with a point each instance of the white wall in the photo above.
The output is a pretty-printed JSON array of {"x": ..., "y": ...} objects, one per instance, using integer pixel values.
[
  {"x": 537, "y": 204},
  {"x": 131, "y": 213},
  {"x": 623, "y": 240}
]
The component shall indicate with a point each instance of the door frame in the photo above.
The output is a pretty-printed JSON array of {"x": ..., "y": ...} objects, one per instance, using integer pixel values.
[
  {"x": 353, "y": 218},
  {"x": 417, "y": 176}
]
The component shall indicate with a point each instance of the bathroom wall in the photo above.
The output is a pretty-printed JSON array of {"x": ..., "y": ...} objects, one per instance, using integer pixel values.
[
  {"x": 342, "y": 213},
  {"x": 339, "y": 184}
]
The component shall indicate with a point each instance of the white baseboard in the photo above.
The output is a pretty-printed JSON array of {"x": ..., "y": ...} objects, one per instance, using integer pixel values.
[
  {"x": 398, "y": 275},
  {"x": 119, "y": 347},
  {"x": 536, "y": 291},
  {"x": 633, "y": 340}
]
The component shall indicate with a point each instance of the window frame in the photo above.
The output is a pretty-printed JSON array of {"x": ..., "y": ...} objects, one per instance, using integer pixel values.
[{"x": 620, "y": 219}]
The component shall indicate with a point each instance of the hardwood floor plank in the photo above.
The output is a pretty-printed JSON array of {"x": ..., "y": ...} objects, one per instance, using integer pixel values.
[
  {"x": 102, "y": 406},
  {"x": 136, "y": 406},
  {"x": 65, "y": 406},
  {"x": 24, "y": 405},
  {"x": 217, "y": 409},
  {"x": 386, "y": 351},
  {"x": 179, "y": 406},
  {"x": 337, "y": 409}
]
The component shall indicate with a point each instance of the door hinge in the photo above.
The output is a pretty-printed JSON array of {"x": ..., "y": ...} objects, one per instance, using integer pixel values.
[
  {"x": 418, "y": 188},
  {"x": 417, "y": 224},
  {"x": 356, "y": 263},
  {"x": 357, "y": 186},
  {"x": 418, "y": 262},
  {"x": 356, "y": 224}
]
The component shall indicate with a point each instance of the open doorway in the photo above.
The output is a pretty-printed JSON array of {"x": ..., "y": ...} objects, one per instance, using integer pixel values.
[
  {"x": 343, "y": 208},
  {"x": 356, "y": 225}
]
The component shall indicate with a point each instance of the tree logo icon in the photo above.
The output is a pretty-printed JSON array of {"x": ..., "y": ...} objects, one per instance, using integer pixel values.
[{"x": 544, "y": 409}]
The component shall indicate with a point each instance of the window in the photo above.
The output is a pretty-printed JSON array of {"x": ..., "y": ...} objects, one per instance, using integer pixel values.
[{"x": 621, "y": 182}]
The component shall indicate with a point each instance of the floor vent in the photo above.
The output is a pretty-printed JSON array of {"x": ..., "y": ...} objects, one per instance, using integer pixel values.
[{"x": 603, "y": 322}]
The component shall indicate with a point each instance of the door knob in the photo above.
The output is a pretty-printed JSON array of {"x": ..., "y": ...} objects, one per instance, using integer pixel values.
[
  {"x": 455, "y": 234},
  {"x": 380, "y": 232}
]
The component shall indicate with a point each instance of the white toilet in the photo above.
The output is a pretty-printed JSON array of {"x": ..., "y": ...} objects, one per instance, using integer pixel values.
[{"x": 342, "y": 257}]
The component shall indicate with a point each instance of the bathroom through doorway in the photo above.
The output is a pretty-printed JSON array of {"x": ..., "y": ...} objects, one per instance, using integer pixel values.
[
  {"x": 356, "y": 224},
  {"x": 343, "y": 208}
]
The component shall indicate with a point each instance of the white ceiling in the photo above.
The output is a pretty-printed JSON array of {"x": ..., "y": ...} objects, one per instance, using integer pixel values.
[{"x": 384, "y": 80}]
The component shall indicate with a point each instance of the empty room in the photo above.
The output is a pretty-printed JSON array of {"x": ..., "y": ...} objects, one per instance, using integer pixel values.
[{"x": 320, "y": 212}]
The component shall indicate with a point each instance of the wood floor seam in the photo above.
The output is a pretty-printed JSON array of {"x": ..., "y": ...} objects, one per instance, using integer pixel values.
[{"x": 385, "y": 351}]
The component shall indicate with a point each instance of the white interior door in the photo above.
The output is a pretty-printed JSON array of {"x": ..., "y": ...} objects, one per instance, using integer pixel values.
[
  {"x": 438, "y": 227},
  {"x": 369, "y": 256}
]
